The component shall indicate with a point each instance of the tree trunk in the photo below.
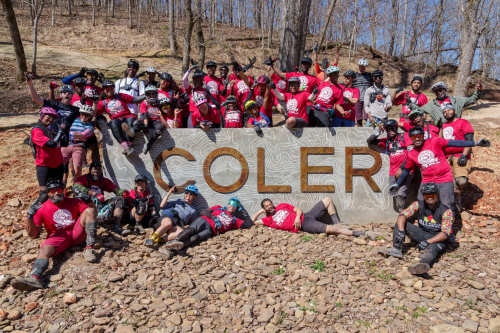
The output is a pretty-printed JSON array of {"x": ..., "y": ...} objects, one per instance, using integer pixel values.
[
  {"x": 326, "y": 23},
  {"x": 69, "y": 7},
  {"x": 394, "y": 26},
  {"x": 295, "y": 17},
  {"x": 470, "y": 36},
  {"x": 139, "y": 17},
  {"x": 262, "y": 25},
  {"x": 171, "y": 28},
  {"x": 437, "y": 34},
  {"x": 53, "y": 23},
  {"x": 199, "y": 32},
  {"x": 93, "y": 13},
  {"x": 10, "y": 17},
  {"x": 113, "y": 8},
  {"x": 130, "y": 14},
  {"x": 403, "y": 42},
  {"x": 186, "y": 53},
  {"x": 35, "y": 32},
  {"x": 271, "y": 24}
]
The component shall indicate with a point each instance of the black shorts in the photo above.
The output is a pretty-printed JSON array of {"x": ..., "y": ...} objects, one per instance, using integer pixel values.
[
  {"x": 91, "y": 141},
  {"x": 311, "y": 223},
  {"x": 300, "y": 122},
  {"x": 44, "y": 173},
  {"x": 145, "y": 222}
]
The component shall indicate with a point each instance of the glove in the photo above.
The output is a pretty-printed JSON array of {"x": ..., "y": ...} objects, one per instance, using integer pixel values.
[
  {"x": 269, "y": 61},
  {"x": 94, "y": 97},
  {"x": 393, "y": 190},
  {"x": 462, "y": 160},
  {"x": 125, "y": 194},
  {"x": 315, "y": 91},
  {"x": 145, "y": 131},
  {"x": 400, "y": 89},
  {"x": 100, "y": 78},
  {"x": 225, "y": 83},
  {"x": 218, "y": 225},
  {"x": 53, "y": 85},
  {"x": 483, "y": 143},
  {"x": 193, "y": 67},
  {"x": 272, "y": 85},
  {"x": 315, "y": 48},
  {"x": 400, "y": 237},
  {"x": 150, "y": 196},
  {"x": 33, "y": 208},
  {"x": 99, "y": 197},
  {"x": 82, "y": 71},
  {"x": 422, "y": 245}
]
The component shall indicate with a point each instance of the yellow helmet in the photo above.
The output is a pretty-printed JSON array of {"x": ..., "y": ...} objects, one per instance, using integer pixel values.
[{"x": 249, "y": 104}]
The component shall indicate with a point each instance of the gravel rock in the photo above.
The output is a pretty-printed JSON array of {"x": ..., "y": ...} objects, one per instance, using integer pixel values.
[
  {"x": 476, "y": 284},
  {"x": 446, "y": 328},
  {"x": 69, "y": 298}
]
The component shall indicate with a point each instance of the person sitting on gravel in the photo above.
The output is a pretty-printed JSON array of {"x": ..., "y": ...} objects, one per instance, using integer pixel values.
[
  {"x": 91, "y": 187},
  {"x": 68, "y": 222},
  {"x": 141, "y": 209},
  {"x": 293, "y": 219},
  {"x": 213, "y": 221},
  {"x": 432, "y": 234},
  {"x": 175, "y": 215}
]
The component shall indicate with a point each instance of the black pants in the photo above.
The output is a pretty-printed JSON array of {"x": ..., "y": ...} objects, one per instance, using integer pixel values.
[
  {"x": 203, "y": 228},
  {"x": 145, "y": 222},
  {"x": 184, "y": 121},
  {"x": 101, "y": 123},
  {"x": 311, "y": 221},
  {"x": 321, "y": 118},
  {"x": 44, "y": 173},
  {"x": 116, "y": 128},
  {"x": 418, "y": 235},
  {"x": 156, "y": 125}
]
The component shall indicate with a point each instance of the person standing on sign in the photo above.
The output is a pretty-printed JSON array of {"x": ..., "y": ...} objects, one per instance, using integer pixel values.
[
  {"x": 130, "y": 85},
  {"x": 363, "y": 81},
  {"x": 351, "y": 97},
  {"x": 413, "y": 96},
  {"x": 377, "y": 100}
]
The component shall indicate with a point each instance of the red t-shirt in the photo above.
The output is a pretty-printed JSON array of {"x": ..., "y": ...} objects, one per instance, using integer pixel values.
[
  {"x": 194, "y": 92},
  {"x": 329, "y": 94},
  {"x": 258, "y": 97},
  {"x": 262, "y": 121},
  {"x": 232, "y": 119},
  {"x": 348, "y": 107},
  {"x": 91, "y": 90},
  {"x": 281, "y": 84},
  {"x": 306, "y": 80},
  {"x": 215, "y": 86},
  {"x": 116, "y": 107},
  {"x": 296, "y": 104},
  {"x": 150, "y": 110},
  {"x": 241, "y": 91},
  {"x": 75, "y": 100},
  {"x": 162, "y": 94},
  {"x": 431, "y": 160},
  {"x": 134, "y": 194},
  {"x": 433, "y": 131},
  {"x": 283, "y": 219},
  {"x": 59, "y": 217},
  {"x": 415, "y": 98},
  {"x": 98, "y": 186},
  {"x": 395, "y": 158},
  {"x": 45, "y": 156},
  {"x": 225, "y": 218},
  {"x": 444, "y": 103},
  {"x": 456, "y": 131},
  {"x": 212, "y": 117}
]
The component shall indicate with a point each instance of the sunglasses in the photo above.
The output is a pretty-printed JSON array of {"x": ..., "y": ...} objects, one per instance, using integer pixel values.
[
  {"x": 391, "y": 128},
  {"x": 55, "y": 190},
  {"x": 80, "y": 84},
  {"x": 134, "y": 67},
  {"x": 430, "y": 196},
  {"x": 109, "y": 88},
  {"x": 91, "y": 77},
  {"x": 165, "y": 107},
  {"x": 189, "y": 193},
  {"x": 151, "y": 95},
  {"x": 417, "y": 136}
]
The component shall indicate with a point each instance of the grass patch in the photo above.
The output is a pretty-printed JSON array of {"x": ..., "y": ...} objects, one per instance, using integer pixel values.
[
  {"x": 319, "y": 266},
  {"x": 279, "y": 271}
]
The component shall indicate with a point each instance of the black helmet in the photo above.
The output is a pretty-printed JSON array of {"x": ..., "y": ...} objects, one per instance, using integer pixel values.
[
  {"x": 416, "y": 130},
  {"x": 95, "y": 165},
  {"x": 224, "y": 66},
  {"x": 307, "y": 59},
  {"x": 141, "y": 177},
  {"x": 350, "y": 73},
  {"x": 293, "y": 79},
  {"x": 108, "y": 83},
  {"x": 377, "y": 72},
  {"x": 133, "y": 63},
  {"x": 231, "y": 99},
  {"x": 92, "y": 72},
  {"x": 80, "y": 80},
  {"x": 198, "y": 75},
  {"x": 430, "y": 188},
  {"x": 166, "y": 77},
  {"x": 55, "y": 183},
  {"x": 211, "y": 64},
  {"x": 391, "y": 122}
]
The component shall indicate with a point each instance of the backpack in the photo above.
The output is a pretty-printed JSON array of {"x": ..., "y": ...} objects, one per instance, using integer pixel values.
[
  {"x": 224, "y": 209},
  {"x": 30, "y": 141}
]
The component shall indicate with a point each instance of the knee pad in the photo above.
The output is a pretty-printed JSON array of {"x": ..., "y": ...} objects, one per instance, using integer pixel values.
[
  {"x": 42, "y": 196},
  {"x": 400, "y": 202},
  {"x": 141, "y": 208},
  {"x": 119, "y": 202},
  {"x": 460, "y": 182}
]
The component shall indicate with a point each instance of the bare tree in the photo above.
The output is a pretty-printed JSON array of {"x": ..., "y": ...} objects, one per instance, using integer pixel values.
[
  {"x": 394, "y": 26},
  {"x": 186, "y": 53},
  {"x": 15, "y": 37},
  {"x": 326, "y": 23},
  {"x": 199, "y": 32},
  {"x": 171, "y": 28},
  {"x": 37, "y": 9}
]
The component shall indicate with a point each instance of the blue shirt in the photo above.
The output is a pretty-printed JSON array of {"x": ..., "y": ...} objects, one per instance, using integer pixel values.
[{"x": 187, "y": 213}]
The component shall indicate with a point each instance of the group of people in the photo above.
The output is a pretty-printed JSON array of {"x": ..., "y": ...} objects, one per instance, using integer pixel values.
[{"x": 434, "y": 152}]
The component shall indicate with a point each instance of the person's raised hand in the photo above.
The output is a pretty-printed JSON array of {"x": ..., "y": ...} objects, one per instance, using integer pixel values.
[
  {"x": 483, "y": 143},
  {"x": 28, "y": 77},
  {"x": 171, "y": 190},
  {"x": 82, "y": 71},
  {"x": 479, "y": 86}
]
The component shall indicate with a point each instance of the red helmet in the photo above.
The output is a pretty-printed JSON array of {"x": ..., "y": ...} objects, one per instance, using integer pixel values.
[
  {"x": 50, "y": 111},
  {"x": 263, "y": 79}
]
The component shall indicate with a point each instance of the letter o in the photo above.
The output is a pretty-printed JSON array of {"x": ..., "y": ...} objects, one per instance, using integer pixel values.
[{"x": 225, "y": 151}]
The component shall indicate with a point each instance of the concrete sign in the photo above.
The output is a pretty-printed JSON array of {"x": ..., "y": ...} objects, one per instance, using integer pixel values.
[{"x": 298, "y": 166}]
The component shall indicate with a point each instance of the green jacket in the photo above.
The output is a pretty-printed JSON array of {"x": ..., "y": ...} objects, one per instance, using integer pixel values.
[{"x": 434, "y": 109}]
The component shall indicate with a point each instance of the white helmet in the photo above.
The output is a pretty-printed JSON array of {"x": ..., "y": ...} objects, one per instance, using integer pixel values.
[
  {"x": 150, "y": 70},
  {"x": 363, "y": 62},
  {"x": 87, "y": 109},
  {"x": 151, "y": 88},
  {"x": 438, "y": 85},
  {"x": 417, "y": 77}
]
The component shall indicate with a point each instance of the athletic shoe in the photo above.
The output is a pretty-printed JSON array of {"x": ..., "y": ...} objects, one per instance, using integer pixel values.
[
  {"x": 27, "y": 283},
  {"x": 165, "y": 253},
  {"x": 146, "y": 148},
  {"x": 358, "y": 233},
  {"x": 120, "y": 231},
  {"x": 138, "y": 229},
  {"x": 419, "y": 269},
  {"x": 174, "y": 245},
  {"x": 149, "y": 242},
  {"x": 130, "y": 131},
  {"x": 89, "y": 254},
  {"x": 392, "y": 252},
  {"x": 128, "y": 151}
]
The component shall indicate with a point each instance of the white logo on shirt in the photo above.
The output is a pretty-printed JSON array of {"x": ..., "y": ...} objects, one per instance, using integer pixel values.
[
  {"x": 152, "y": 111},
  {"x": 161, "y": 95},
  {"x": 281, "y": 85},
  {"x": 115, "y": 107},
  {"x": 426, "y": 159},
  {"x": 326, "y": 94},
  {"x": 89, "y": 92},
  {"x": 348, "y": 94},
  {"x": 280, "y": 216},
  {"x": 291, "y": 105},
  {"x": 225, "y": 219},
  {"x": 303, "y": 81},
  {"x": 233, "y": 116},
  {"x": 77, "y": 103},
  {"x": 242, "y": 87},
  {"x": 259, "y": 100},
  {"x": 213, "y": 87},
  {"x": 62, "y": 219},
  {"x": 448, "y": 133}
]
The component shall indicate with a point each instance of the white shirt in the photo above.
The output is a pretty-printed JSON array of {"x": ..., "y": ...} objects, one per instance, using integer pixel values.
[{"x": 137, "y": 89}]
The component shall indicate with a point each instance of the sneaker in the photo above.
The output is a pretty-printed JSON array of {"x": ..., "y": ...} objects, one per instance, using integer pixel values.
[
  {"x": 138, "y": 229},
  {"x": 158, "y": 132},
  {"x": 146, "y": 148},
  {"x": 165, "y": 253},
  {"x": 89, "y": 254},
  {"x": 27, "y": 283},
  {"x": 392, "y": 252},
  {"x": 174, "y": 245},
  {"x": 358, "y": 233},
  {"x": 120, "y": 231},
  {"x": 128, "y": 151},
  {"x": 419, "y": 269},
  {"x": 149, "y": 242},
  {"x": 160, "y": 240},
  {"x": 130, "y": 131}
]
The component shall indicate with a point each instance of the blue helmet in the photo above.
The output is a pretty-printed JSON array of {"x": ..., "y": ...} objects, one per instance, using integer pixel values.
[
  {"x": 236, "y": 203},
  {"x": 191, "y": 188}
]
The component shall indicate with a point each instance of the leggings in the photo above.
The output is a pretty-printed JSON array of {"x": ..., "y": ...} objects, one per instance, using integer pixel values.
[
  {"x": 418, "y": 235},
  {"x": 44, "y": 173},
  {"x": 158, "y": 126},
  {"x": 116, "y": 128}
]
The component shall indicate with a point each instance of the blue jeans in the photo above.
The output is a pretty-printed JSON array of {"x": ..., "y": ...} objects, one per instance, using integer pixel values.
[
  {"x": 341, "y": 122},
  {"x": 377, "y": 120}
]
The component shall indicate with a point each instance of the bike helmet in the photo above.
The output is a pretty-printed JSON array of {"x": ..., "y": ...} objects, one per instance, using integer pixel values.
[
  {"x": 133, "y": 63},
  {"x": 415, "y": 113},
  {"x": 191, "y": 188},
  {"x": 263, "y": 79},
  {"x": 377, "y": 73},
  {"x": 86, "y": 109},
  {"x": 224, "y": 66},
  {"x": 199, "y": 99},
  {"x": 211, "y": 64},
  {"x": 50, "y": 111},
  {"x": 363, "y": 62},
  {"x": 67, "y": 89},
  {"x": 140, "y": 177},
  {"x": 294, "y": 79},
  {"x": 108, "y": 83},
  {"x": 165, "y": 101},
  {"x": 417, "y": 77},
  {"x": 391, "y": 122},
  {"x": 92, "y": 72},
  {"x": 416, "y": 130},
  {"x": 249, "y": 104},
  {"x": 350, "y": 73},
  {"x": 236, "y": 203},
  {"x": 80, "y": 80},
  {"x": 166, "y": 77},
  {"x": 439, "y": 85},
  {"x": 332, "y": 69},
  {"x": 231, "y": 99},
  {"x": 198, "y": 75},
  {"x": 306, "y": 59},
  {"x": 150, "y": 70},
  {"x": 430, "y": 188},
  {"x": 54, "y": 183},
  {"x": 153, "y": 89}
]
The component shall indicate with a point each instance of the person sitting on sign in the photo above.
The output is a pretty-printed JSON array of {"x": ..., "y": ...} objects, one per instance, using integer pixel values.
[
  {"x": 416, "y": 118},
  {"x": 290, "y": 218},
  {"x": 213, "y": 221},
  {"x": 432, "y": 234}
]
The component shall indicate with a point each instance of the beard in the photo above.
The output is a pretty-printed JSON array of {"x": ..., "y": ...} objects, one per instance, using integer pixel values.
[
  {"x": 57, "y": 199},
  {"x": 442, "y": 96},
  {"x": 94, "y": 177},
  {"x": 450, "y": 117}
]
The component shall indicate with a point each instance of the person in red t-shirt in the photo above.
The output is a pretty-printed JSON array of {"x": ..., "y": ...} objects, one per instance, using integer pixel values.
[
  {"x": 205, "y": 116},
  {"x": 296, "y": 103},
  {"x": 330, "y": 97},
  {"x": 290, "y": 218},
  {"x": 416, "y": 118},
  {"x": 214, "y": 84},
  {"x": 123, "y": 123},
  {"x": 241, "y": 87},
  {"x": 212, "y": 221},
  {"x": 429, "y": 156},
  {"x": 259, "y": 90},
  {"x": 231, "y": 115},
  {"x": 195, "y": 91},
  {"x": 459, "y": 158},
  {"x": 414, "y": 96},
  {"x": 141, "y": 209},
  {"x": 257, "y": 118},
  {"x": 47, "y": 150},
  {"x": 351, "y": 97},
  {"x": 79, "y": 98},
  {"x": 68, "y": 222}
]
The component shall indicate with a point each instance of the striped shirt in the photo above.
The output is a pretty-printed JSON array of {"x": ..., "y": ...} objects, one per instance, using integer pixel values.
[
  {"x": 78, "y": 126},
  {"x": 363, "y": 81}
]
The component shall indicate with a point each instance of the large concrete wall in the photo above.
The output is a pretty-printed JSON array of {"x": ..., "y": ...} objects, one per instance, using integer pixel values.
[{"x": 282, "y": 167}]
